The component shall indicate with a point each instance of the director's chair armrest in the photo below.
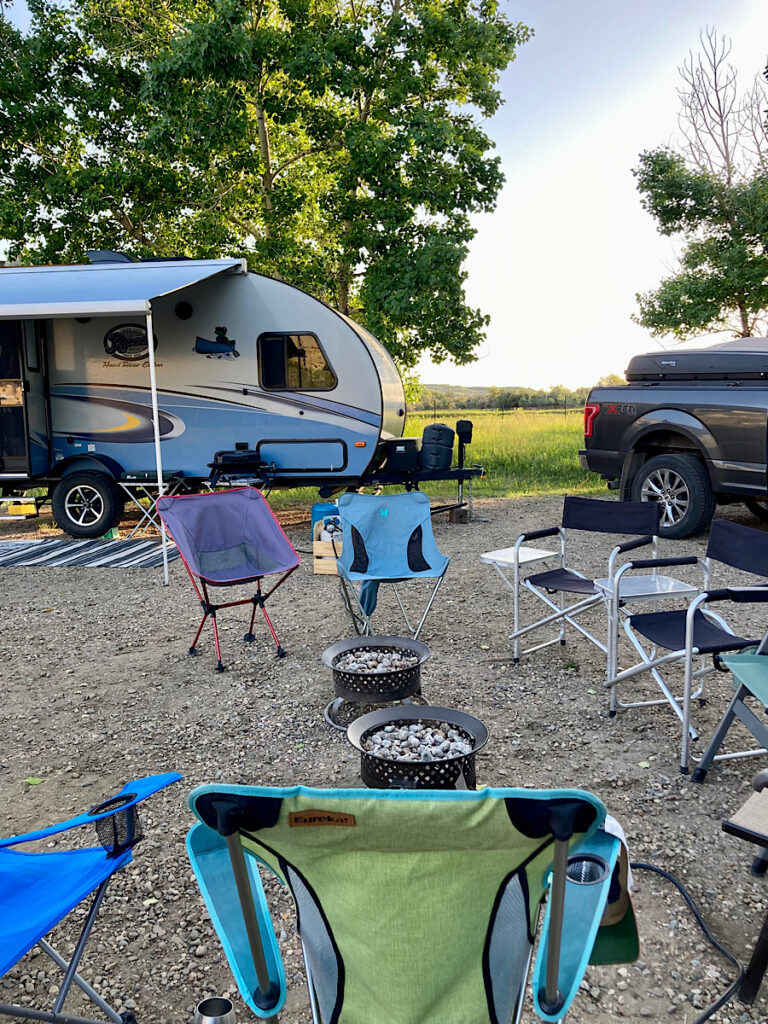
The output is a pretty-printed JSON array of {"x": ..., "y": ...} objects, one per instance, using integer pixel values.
[
  {"x": 129, "y": 796},
  {"x": 741, "y": 595},
  {"x": 630, "y": 545},
  {"x": 551, "y": 531},
  {"x": 748, "y": 595},
  {"x": 211, "y": 863},
  {"x": 661, "y": 563}
]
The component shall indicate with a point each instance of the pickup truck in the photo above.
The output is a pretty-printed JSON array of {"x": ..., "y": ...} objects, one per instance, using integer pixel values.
[{"x": 689, "y": 429}]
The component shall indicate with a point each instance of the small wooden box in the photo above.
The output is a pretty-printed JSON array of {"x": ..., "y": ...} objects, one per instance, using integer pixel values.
[{"x": 324, "y": 553}]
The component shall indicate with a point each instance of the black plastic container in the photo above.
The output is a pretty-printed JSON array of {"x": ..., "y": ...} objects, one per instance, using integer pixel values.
[
  {"x": 402, "y": 455},
  {"x": 437, "y": 447}
]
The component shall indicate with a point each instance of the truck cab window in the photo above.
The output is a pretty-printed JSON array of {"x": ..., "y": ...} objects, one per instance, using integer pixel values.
[{"x": 293, "y": 362}]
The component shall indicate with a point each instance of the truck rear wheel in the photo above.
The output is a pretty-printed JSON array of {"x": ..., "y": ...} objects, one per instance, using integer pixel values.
[
  {"x": 681, "y": 484},
  {"x": 86, "y": 504}
]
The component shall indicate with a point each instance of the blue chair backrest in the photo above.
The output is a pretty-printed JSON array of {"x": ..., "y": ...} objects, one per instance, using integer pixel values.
[{"x": 388, "y": 537}]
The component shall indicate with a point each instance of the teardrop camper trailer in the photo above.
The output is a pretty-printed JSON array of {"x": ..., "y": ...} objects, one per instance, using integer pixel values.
[{"x": 123, "y": 370}]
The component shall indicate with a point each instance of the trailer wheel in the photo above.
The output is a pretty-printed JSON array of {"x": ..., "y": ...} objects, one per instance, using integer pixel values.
[
  {"x": 758, "y": 508},
  {"x": 86, "y": 504},
  {"x": 681, "y": 484}
]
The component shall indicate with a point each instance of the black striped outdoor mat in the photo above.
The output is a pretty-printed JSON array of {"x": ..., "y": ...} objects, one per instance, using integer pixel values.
[{"x": 113, "y": 554}]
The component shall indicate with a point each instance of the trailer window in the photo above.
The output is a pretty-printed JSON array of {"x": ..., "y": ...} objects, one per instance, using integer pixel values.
[{"x": 293, "y": 362}]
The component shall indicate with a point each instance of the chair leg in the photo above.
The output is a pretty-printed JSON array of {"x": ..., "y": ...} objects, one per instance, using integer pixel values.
[
  {"x": 280, "y": 651},
  {"x": 700, "y": 772},
  {"x": 193, "y": 648},
  {"x": 750, "y": 986},
  {"x": 219, "y": 665},
  {"x": 80, "y": 982},
  {"x": 249, "y": 636}
]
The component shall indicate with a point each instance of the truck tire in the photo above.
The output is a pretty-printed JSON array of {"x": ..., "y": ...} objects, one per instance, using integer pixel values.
[
  {"x": 758, "y": 507},
  {"x": 86, "y": 504},
  {"x": 682, "y": 484}
]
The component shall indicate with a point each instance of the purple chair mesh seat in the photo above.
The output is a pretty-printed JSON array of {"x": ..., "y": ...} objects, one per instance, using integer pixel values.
[{"x": 227, "y": 538}]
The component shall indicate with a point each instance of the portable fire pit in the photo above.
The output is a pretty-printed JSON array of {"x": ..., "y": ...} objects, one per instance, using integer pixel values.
[
  {"x": 445, "y": 769},
  {"x": 374, "y": 670}
]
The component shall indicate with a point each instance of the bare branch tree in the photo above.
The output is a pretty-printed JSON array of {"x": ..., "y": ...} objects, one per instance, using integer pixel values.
[{"x": 722, "y": 132}]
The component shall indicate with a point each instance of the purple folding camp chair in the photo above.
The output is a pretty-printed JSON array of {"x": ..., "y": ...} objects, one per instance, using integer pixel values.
[{"x": 227, "y": 538}]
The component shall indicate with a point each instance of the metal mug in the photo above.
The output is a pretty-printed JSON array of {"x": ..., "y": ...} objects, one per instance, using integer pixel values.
[{"x": 215, "y": 1010}]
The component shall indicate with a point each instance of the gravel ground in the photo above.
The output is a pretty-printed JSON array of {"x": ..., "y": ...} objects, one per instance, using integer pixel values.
[{"x": 98, "y": 689}]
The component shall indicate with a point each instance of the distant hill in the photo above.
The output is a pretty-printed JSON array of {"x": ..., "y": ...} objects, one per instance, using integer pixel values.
[
  {"x": 449, "y": 396},
  {"x": 463, "y": 394}
]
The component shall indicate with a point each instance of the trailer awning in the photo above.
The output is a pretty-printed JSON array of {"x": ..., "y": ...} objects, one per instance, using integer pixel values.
[{"x": 101, "y": 289}]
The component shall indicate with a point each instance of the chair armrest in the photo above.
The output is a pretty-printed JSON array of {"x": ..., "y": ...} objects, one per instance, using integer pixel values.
[
  {"x": 137, "y": 790},
  {"x": 662, "y": 563},
  {"x": 582, "y": 914},
  {"x": 748, "y": 595},
  {"x": 630, "y": 545},
  {"x": 551, "y": 531},
  {"x": 210, "y": 861}
]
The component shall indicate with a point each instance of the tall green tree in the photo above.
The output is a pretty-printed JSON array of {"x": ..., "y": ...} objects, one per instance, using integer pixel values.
[
  {"x": 337, "y": 144},
  {"x": 711, "y": 192}
]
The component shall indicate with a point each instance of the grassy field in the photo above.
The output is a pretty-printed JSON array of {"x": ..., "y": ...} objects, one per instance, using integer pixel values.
[{"x": 523, "y": 453}]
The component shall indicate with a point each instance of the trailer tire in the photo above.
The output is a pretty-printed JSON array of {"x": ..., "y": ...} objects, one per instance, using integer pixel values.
[
  {"x": 682, "y": 484},
  {"x": 86, "y": 504}
]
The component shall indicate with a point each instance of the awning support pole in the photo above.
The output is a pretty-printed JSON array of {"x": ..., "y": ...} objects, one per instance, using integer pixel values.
[{"x": 156, "y": 425}]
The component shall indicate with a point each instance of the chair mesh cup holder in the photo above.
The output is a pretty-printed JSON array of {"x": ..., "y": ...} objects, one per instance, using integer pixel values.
[
  {"x": 588, "y": 869},
  {"x": 122, "y": 829}
]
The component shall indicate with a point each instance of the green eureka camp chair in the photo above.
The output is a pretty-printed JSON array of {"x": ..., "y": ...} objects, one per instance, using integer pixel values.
[{"x": 415, "y": 906}]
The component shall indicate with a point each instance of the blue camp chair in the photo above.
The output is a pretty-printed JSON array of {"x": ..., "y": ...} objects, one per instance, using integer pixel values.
[
  {"x": 37, "y": 890},
  {"x": 386, "y": 539},
  {"x": 415, "y": 906}
]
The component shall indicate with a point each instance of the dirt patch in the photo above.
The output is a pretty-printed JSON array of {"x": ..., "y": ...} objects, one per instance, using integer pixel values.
[{"x": 98, "y": 689}]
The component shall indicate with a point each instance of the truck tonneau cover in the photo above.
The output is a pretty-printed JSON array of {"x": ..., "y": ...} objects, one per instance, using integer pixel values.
[{"x": 741, "y": 359}]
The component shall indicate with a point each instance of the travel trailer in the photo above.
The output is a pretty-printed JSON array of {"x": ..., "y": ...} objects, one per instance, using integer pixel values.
[{"x": 121, "y": 370}]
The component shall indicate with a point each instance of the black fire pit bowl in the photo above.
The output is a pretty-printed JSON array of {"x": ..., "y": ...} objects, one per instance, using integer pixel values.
[
  {"x": 376, "y": 687},
  {"x": 457, "y": 772}
]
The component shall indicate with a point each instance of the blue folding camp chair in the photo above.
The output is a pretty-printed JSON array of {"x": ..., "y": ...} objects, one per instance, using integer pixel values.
[
  {"x": 227, "y": 538},
  {"x": 386, "y": 539},
  {"x": 37, "y": 890},
  {"x": 415, "y": 906}
]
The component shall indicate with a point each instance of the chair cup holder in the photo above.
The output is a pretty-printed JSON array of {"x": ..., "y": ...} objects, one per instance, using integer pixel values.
[
  {"x": 588, "y": 869},
  {"x": 215, "y": 1010}
]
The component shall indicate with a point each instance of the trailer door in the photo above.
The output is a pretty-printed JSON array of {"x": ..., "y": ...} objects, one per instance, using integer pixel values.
[
  {"x": 13, "y": 445},
  {"x": 36, "y": 403}
]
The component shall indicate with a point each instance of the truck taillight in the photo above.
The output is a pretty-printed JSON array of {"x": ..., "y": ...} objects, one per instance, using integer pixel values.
[{"x": 591, "y": 409}]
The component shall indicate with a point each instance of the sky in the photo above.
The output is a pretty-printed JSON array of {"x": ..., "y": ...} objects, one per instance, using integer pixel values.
[{"x": 558, "y": 264}]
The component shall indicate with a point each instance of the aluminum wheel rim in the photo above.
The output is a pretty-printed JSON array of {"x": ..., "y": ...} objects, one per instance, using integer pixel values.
[
  {"x": 84, "y": 505},
  {"x": 671, "y": 491}
]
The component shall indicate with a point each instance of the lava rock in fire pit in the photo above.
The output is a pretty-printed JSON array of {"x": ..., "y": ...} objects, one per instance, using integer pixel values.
[
  {"x": 418, "y": 741},
  {"x": 373, "y": 660}
]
